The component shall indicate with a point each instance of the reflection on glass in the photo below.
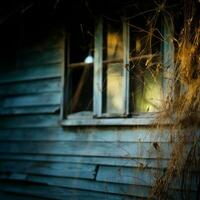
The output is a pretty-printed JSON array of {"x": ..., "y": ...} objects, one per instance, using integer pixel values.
[
  {"x": 147, "y": 93},
  {"x": 145, "y": 76},
  {"x": 113, "y": 68},
  {"x": 80, "y": 69},
  {"x": 81, "y": 89}
]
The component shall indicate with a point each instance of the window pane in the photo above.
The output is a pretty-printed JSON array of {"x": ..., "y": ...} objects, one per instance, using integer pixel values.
[
  {"x": 113, "y": 68},
  {"x": 146, "y": 63},
  {"x": 81, "y": 41},
  {"x": 81, "y": 86},
  {"x": 80, "y": 69}
]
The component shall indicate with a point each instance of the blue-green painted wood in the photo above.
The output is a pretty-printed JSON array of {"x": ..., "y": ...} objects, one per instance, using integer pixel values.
[
  {"x": 138, "y": 176},
  {"x": 91, "y": 187},
  {"x": 41, "y": 58},
  {"x": 134, "y": 176},
  {"x": 29, "y": 121},
  {"x": 29, "y": 110},
  {"x": 105, "y": 149},
  {"x": 8, "y": 196},
  {"x": 113, "y": 161},
  {"x": 84, "y": 184},
  {"x": 94, "y": 185},
  {"x": 59, "y": 192},
  {"x": 103, "y": 134},
  {"x": 32, "y": 73},
  {"x": 53, "y": 98},
  {"x": 49, "y": 168},
  {"x": 31, "y": 87}
]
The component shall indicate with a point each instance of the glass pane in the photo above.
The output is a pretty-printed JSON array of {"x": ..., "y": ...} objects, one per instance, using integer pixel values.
[
  {"x": 81, "y": 87},
  {"x": 145, "y": 68},
  {"x": 81, "y": 41},
  {"x": 80, "y": 69},
  {"x": 113, "y": 68}
]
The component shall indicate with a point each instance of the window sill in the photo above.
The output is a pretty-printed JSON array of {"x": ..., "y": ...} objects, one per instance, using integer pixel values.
[{"x": 141, "y": 119}]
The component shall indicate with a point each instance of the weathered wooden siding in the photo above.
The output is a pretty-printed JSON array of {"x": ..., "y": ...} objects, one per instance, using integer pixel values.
[{"x": 39, "y": 159}]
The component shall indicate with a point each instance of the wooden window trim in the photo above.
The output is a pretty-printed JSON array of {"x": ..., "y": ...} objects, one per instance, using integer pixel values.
[
  {"x": 136, "y": 120},
  {"x": 98, "y": 69}
]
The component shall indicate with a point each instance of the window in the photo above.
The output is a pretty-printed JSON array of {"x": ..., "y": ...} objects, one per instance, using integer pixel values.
[{"x": 125, "y": 75}]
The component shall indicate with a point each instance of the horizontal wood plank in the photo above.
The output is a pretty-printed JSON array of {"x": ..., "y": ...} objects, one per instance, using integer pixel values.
[
  {"x": 126, "y": 162},
  {"x": 29, "y": 121},
  {"x": 105, "y": 134},
  {"x": 31, "y": 87},
  {"x": 139, "y": 176},
  {"x": 128, "y": 190},
  {"x": 91, "y": 134},
  {"x": 106, "y": 149},
  {"x": 8, "y": 196},
  {"x": 49, "y": 168},
  {"x": 84, "y": 184},
  {"x": 53, "y": 98},
  {"x": 29, "y": 110},
  {"x": 41, "y": 58},
  {"x": 32, "y": 73},
  {"x": 127, "y": 175},
  {"x": 58, "y": 192}
]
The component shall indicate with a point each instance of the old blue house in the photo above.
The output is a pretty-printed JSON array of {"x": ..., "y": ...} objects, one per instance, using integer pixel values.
[{"x": 81, "y": 83}]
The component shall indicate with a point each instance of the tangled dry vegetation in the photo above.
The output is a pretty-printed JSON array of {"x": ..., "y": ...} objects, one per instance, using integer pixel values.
[{"x": 182, "y": 108}]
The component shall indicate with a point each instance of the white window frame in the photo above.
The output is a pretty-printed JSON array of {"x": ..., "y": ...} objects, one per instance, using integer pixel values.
[{"x": 100, "y": 118}]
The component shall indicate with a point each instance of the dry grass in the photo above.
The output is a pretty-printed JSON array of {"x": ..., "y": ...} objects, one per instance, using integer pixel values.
[{"x": 183, "y": 111}]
